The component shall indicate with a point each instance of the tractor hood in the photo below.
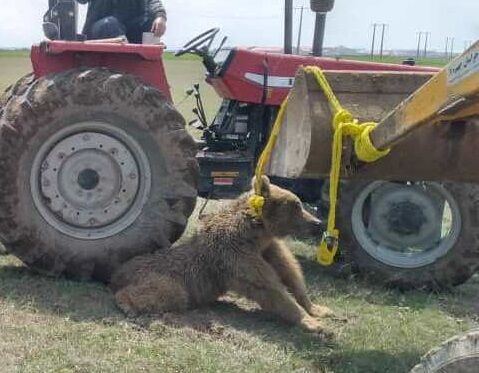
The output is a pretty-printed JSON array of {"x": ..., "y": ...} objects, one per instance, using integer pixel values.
[{"x": 265, "y": 75}]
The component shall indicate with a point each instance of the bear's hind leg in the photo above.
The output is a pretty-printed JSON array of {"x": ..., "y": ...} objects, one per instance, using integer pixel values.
[{"x": 153, "y": 295}]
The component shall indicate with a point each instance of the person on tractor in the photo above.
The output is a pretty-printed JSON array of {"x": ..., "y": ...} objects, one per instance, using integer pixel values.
[{"x": 113, "y": 18}]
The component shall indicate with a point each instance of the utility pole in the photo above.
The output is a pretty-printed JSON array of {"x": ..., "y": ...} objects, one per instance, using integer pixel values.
[
  {"x": 419, "y": 45},
  {"x": 298, "y": 48},
  {"x": 452, "y": 48},
  {"x": 374, "y": 40},
  {"x": 446, "y": 51},
  {"x": 382, "y": 40},
  {"x": 426, "y": 43}
]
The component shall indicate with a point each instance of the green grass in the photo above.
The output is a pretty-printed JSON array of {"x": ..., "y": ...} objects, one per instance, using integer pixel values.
[
  {"x": 58, "y": 325},
  {"x": 438, "y": 62},
  {"x": 55, "y": 325},
  {"x": 16, "y": 53}
]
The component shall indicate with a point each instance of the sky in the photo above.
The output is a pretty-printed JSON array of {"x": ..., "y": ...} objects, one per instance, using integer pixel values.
[{"x": 260, "y": 22}]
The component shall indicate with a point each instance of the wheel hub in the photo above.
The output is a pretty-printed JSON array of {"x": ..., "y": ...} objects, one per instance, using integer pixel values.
[
  {"x": 405, "y": 218},
  {"x": 90, "y": 184},
  {"x": 88, "y": 179},
  {"x": 406, "y": 225}
]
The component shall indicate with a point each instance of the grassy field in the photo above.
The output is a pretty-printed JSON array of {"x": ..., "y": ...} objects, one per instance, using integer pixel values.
[
  {"x": 55, "y": 325},
  {"x": 439, "y": 62}
]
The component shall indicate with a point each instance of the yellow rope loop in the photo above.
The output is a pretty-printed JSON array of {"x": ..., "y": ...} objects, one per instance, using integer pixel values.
[
  {"x": 256, "y": 202},
  {"x": 343, "y": 124},
  {"x": 364, "y": 148},
  {"x": 342, "y": 116}
]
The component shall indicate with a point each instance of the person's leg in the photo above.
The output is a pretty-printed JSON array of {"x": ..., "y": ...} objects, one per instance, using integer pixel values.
[
  {"x": 106, "y": 28},
  {"x": 136, "y": 27}
]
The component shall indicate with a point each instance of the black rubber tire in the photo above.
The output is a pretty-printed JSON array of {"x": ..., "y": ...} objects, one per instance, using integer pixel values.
[
  {"x": 15, "y": 90},
  {"x": 454, "y": 268},
  {"x": 12, "y": 91},
  {"x": 35, "y": 110},
  {"x": 458, "y": 355}
]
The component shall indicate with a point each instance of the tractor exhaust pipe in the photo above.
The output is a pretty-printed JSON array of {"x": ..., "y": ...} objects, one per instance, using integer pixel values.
[
  {"x": 288, "y": 27},
  {"x": 318, "y": 40},
  {"x": 320, "y": 7}
]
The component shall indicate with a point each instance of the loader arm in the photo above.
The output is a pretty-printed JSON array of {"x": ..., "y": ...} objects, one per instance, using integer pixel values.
[{"x": 449, "y": 96}]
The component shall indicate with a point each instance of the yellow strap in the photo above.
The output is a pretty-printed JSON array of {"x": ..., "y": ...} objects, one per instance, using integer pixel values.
[
  {"x": 343, "y": 124},
  {"x": 256, "y": 202}
]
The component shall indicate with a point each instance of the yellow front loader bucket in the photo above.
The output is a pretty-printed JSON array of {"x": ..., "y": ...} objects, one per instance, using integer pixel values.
[{"x": 429, "y": 121}]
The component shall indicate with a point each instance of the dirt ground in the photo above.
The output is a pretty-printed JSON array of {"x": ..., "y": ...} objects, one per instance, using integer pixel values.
[{"x": 56, "y": 325}]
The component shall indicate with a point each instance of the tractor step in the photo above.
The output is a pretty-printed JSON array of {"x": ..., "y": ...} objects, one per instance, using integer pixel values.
[{"x": 224, "y": 174}]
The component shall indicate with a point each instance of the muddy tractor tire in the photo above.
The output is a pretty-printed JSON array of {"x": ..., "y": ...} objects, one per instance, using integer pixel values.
[
  {"x": 458, "y": 355},
  {"x": 95, "y": 168},
  {"x": 411, "y": 235}
]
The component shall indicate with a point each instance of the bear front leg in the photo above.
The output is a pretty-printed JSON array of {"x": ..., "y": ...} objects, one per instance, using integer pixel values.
[
  {"x": 258, "y": 281},
  {"x": 289, "y": 271}
]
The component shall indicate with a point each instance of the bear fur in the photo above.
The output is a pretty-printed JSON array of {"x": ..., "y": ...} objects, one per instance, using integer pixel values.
[{"x": 231, "y": 251}]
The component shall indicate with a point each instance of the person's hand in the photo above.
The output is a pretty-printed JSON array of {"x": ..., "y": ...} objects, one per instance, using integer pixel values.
[{"x": 159, "y": 27}]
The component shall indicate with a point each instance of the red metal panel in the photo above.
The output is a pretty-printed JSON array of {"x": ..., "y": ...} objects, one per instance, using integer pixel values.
[
  {"x": 143, "y": 61},
  {"x": 234, "y": 84}
]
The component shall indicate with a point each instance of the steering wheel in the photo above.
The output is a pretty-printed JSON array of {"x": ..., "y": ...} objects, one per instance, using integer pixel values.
[{"x": 193, "y": 45}]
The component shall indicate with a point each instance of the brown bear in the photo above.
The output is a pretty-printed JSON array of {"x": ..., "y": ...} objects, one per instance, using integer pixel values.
[{"x": 233, "y": 250}]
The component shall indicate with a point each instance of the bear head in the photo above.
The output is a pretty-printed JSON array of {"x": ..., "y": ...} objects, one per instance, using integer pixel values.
[{"x": 283, "y": 214}]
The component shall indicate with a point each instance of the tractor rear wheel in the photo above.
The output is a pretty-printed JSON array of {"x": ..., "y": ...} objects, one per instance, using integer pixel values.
[
  {"x": 458, "y": 355},
  {"x": 95, "y": 168},
  {"x": 16, "y": 89},
  {"x": 411, "y": 235}
]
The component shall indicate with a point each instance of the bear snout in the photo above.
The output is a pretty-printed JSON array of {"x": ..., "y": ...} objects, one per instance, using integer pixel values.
[
  {"x": 307, "y": 226},
  {"x": 317, "y": 227}
]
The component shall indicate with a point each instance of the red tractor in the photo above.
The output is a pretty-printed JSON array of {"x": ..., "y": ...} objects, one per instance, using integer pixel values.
[{"x": 97, "y": 165}]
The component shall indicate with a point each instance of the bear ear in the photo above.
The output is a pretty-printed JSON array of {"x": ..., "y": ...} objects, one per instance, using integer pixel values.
[{"x": 265, "y": 186}]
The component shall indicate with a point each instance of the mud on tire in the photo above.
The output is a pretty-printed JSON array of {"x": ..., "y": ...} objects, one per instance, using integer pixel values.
[
  {"x": 92, "y": 101},
  {"x": 448, "y": 268},
  {"x": 458, "y": 355}
]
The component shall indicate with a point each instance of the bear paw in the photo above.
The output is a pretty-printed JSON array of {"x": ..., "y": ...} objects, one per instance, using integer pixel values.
[
  {"x": 314, "y": 326},
  {"x": 320, "y": 311}
]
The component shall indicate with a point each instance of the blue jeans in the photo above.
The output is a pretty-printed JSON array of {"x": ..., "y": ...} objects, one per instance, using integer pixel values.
[{"x": 111, "y": 27}]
